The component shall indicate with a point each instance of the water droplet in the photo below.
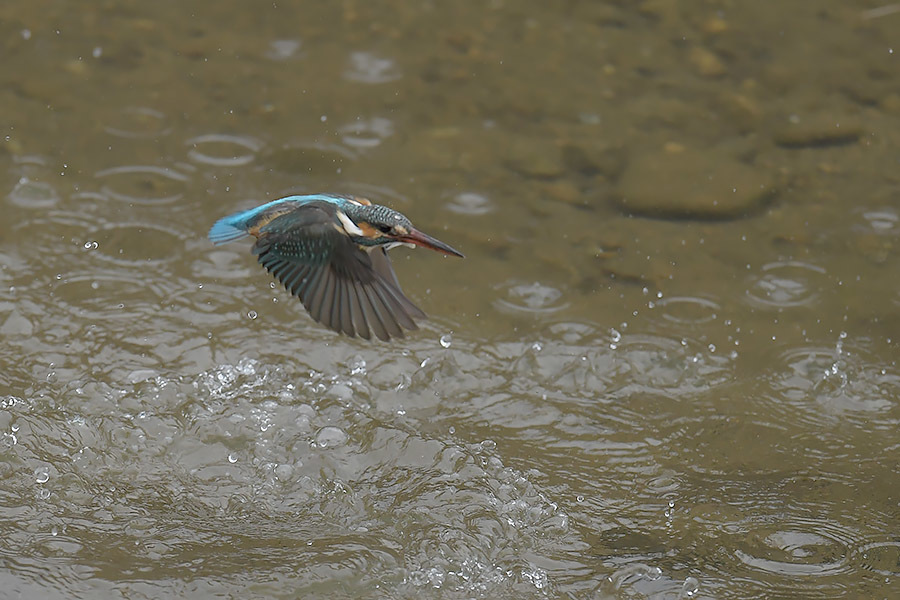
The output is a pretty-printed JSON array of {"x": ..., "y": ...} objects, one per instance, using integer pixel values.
[
  {"x": 358, "y": 366},
  {"x": 405, "y": 382},
  {"x": 91, "y": 245},
  {"x": 42, "y": 475},
  {"x": 252, "y": 314},
  {"x": 689, "y": 588},
  {"x": 446, "y": 340},
  {"x": 232, "y": 458}
]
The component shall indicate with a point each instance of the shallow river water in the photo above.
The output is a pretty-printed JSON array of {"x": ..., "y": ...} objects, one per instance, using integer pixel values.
[{"x": 666, "y": 368}]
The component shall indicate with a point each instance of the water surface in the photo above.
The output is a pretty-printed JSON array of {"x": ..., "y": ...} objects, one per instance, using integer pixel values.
[{"x": 667, "y": 367}]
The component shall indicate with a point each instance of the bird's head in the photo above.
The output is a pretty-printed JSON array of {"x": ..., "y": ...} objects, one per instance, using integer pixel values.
[{"x": 374, "y": 226}]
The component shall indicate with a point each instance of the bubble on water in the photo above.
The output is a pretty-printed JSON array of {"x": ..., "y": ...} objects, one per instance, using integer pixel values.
[
  {"x": 252, "y": 314},
  {"x": 446, "y": 340},
  {"x": 283, "y": 472},
  {"x": 54, "y": 531},
  {"x": 232, "y": 458},
  {"x": 689, "y": 588},
  {"x": 331, "y": 437},
  {"x": 91, "y": 245},
  {"x": 579, "y": 498},
  {"x": 43, "y": 493}
]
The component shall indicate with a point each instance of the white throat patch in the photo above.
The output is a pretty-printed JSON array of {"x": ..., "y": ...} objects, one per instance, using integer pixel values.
[{"x": 349, "y": 226}]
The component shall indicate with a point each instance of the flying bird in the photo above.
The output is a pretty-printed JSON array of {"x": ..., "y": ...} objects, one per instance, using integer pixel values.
[{"x": 331, "y": 252}]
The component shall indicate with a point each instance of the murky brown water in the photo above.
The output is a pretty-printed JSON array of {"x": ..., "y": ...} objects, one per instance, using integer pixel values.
[{"x": 667, "y": 367}]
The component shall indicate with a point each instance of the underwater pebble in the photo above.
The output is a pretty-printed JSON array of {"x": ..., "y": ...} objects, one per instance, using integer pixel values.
[
  {"x": 816, "y": 131},
  {"x": 689, "y": 184}
]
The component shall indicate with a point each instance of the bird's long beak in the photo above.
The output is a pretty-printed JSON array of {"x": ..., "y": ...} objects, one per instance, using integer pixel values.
[{"x": 426, "y": 241}]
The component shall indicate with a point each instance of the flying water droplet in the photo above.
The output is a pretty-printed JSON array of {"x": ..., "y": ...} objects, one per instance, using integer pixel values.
[
  {"x": 252, "y": 314},
  {"x": 446, "y": 340}
]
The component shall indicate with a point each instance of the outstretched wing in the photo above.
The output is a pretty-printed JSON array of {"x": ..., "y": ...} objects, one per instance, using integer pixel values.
[{"x": 343, "y": 287}]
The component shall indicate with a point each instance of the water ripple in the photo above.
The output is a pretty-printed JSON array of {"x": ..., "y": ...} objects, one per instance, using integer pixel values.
[
  {"x": 836, "y": 383},
  {"x": 138, "y": 122},
  {"x": 470, "y": 203},
  {"x": 98, "y": 296},
  {"x": 786, "y": 284},
  {"x": 221, "y": 150},
  {"x": 136, "y": 243},
  {"x": 366, "y": 67},
  {"x": 688, "y": 309},
  {"x": 364, "y": 134},
  {"x": 143, "y": 184},
  {"x": 34, "y": 194},
  {"x": 534, "y": 298}
]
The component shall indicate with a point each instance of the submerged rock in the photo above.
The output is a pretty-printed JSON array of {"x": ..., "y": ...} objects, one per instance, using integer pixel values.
[
  {"x": 692, "y": 185},
  {"x": 817, "y": 131}
]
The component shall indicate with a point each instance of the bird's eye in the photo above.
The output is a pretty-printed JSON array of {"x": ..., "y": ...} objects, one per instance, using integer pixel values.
[{"x": 385, "y": 228}]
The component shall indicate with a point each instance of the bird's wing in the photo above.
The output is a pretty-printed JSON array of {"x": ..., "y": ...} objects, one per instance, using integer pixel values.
[{"x": 342, "y": 286}]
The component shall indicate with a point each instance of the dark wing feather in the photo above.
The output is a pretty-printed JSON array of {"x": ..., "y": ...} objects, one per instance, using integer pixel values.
[{"x": 345, "y": 288}]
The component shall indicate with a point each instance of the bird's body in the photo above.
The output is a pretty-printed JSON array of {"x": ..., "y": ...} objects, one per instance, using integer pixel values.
[{"x": 330, "y": 251}]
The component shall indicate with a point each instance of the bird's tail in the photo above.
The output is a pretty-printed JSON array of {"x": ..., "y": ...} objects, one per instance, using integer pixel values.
[{"x": 230, "y": 228}]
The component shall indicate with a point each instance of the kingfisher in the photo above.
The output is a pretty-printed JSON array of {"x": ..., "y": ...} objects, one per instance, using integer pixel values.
[{"x": 331, "y": 252}]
